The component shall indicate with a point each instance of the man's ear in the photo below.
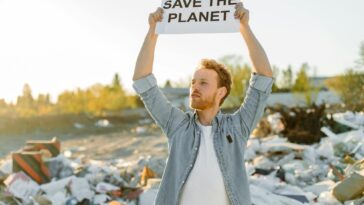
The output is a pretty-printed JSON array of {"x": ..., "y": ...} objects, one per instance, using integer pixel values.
[{"x": 222, "y": 92}]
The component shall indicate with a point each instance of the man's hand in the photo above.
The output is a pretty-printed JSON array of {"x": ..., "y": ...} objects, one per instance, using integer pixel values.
[
  {"x": 242, "y": 14},
  {"x": 257, "y": 54},
  {"x": 155, "y": 17},
  {"x": 144, "y": 64}
]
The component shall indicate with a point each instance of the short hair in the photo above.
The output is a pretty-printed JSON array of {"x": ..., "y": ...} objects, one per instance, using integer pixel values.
[{"x": 224, "y": 76}]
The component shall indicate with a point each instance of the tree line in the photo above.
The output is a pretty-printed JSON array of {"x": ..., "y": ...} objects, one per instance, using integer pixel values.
[
  {"x": 95, "y": 100},
  {"x": 100, "y": 99},
  {"x": 349, "y": 85}
]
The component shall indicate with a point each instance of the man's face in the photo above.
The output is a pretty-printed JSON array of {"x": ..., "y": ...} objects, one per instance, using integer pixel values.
[{"x": 204, "y": 89}]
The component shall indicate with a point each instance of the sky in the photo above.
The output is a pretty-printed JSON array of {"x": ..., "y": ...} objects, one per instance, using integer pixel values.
[{"x": 58, "y": 45}]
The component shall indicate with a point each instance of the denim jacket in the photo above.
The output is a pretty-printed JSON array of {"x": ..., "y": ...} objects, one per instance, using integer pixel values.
[{"x": 231, "y": 132}]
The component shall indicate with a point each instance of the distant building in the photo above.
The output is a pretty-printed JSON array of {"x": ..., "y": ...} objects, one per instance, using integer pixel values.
[
  {"x": 293, "y": 99},
  {"x": 179, "y": 97},
  {"x": 319, "y": 82}
]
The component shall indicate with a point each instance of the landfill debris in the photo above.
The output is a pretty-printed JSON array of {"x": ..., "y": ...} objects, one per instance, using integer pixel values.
[
  {"x": 56, "y": 186},
  {"x": 101, "y": 198},
  {"x": 80, "y": 189},
  {"x": 355, "y": 202},
  {"x": 114, "y": 203},
  {"x": 350, "y": 188},
  {"x": 103, "y": 187},
  {"x": 53, "y": 146},
  {"x": 103, "y": 123},
  {"x": 140, "y": 130},
  {"x": 78, "y": 125},
  {"x": 145, "y": 121},
  {"x": 263, "y": 128},
  {"x": 348, "y": 118},
  {"x": 262, "y": 197},
  {"x": 146, "y": 174},
  {"x": 302, "y": 125},
  {"x": 130, "y": 193},
  {"x": 6, "y": 166},
  {"x": 320, "y": 187},
  {"x": 39, "y": 199},
  {"x": 32, "y": 164},
  {"x": 275, "y": 121},
  {"x": 318, "y": 168},
  {"x": 148, "y": 197},
  {"x": 299, "y": 198},
  {"x": 325, "y": 169},
  {"x": 21, "y": 186},
  {"x": 60, "y": 167}
]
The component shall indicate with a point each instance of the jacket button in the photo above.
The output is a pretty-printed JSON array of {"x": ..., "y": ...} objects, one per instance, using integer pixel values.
[{"x": 191, "y": 165}]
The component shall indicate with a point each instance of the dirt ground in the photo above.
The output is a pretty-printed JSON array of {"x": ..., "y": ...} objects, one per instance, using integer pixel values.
[{"x": 125, "y": 142}]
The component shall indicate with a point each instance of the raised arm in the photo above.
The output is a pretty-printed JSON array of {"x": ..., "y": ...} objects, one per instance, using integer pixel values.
[
  {"x": 261, "y": 81},
  {"x": 144, "y": 64},
  {"x": 166, "y": 116},
  {"x": 257, "y": 55}
]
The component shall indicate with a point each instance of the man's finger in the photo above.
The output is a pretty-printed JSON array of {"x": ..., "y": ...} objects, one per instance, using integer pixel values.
[
  {"x": 240, "y": 12},
  {"x": 160, "y": 10},
  {"x": 240, "y": 4},
  {"x": 151, "y": 16},
  {"x": 237, "y": 13},
  {"x": 155, "y": 17},
  {"x": 159, "y": 18}
]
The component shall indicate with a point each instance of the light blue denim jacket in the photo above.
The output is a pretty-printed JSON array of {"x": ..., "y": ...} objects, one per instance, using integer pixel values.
[{"x": 231, "y": 132}]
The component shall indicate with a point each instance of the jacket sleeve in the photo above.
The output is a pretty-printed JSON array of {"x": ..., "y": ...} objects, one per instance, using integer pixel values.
[
  {"x": 165, "y": 115},
  {"x": 252, "y": 108}
]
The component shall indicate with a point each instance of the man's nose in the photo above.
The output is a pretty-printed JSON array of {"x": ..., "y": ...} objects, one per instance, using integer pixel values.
[{"x": 193, "y": 88}]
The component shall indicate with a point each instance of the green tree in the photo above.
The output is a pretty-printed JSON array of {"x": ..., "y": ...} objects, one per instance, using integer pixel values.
[
  {"x": 116, "y": 82},
  {"x": 44, "y": 104},
  {"x": 350, "y": 88},
  {"x": 97, "y": 99},
  {"x": 26, "y": 99},
  {"x": 303, "y": 86},
  {"x": 3, "y": 107},
  {"x": 287, "y": 78},
  {"x": 350, "y": 85},
  {"x": 72, "y": 102},
  {"x": 115, "y": 96},
  {"x": 25, "y": 105},
  {"x": 302, "y": 82},
  {"x": 240, "y": 74},
  {"x": 167, "y": 84}
]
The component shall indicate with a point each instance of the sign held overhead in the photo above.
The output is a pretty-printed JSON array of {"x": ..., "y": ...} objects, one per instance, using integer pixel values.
[{"x": 198, "y": 16}]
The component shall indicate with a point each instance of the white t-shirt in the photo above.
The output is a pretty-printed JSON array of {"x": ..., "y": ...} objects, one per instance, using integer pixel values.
[{"x": 205, "y": 183}]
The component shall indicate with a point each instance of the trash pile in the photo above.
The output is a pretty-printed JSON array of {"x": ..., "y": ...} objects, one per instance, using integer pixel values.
[
  {"x": 328, "y": 171},
  {"x": 39, "y": 174}
]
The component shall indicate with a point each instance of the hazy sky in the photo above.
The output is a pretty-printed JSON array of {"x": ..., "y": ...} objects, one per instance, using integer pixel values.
[{"x": 64, "y": 44}]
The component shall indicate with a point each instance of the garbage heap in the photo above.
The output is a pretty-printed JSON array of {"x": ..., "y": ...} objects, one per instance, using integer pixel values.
[
  {"x": 39, "y": 174},
  {"x": 328, "y": 171}
]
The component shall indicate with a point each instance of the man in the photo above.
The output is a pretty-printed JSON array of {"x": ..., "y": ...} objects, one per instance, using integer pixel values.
[{"x": 206, "y": 147}]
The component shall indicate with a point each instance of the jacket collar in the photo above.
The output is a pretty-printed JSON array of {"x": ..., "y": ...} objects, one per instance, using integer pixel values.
[{"x": 215, "y": 121}]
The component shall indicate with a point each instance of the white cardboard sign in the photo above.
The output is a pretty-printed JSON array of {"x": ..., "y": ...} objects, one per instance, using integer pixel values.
[{"x": 198, "y": 16}]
